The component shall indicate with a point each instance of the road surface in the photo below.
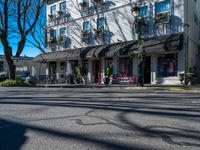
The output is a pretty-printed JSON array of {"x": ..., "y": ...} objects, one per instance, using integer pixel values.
[{"x": 98, "y": 119}]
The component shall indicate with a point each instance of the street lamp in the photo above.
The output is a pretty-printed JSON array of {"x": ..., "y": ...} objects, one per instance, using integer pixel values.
[{"x": 135, "y": 12}]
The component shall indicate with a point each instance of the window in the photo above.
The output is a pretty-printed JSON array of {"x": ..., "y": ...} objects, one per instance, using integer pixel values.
[
  {"x": 125, "y": 66},
  {"x": 53, "y": 9},
  {"x": 86, "y": 26},
  {"x": 162, "y": 6},
  {"x": 143, "y": 11},
  {"x": 100, "y": 23},
  {"x": 53, "y": 34},
  {"x": 167, "y": 65},
  {"x": 63, "y": 6},
  {"x": 62, "y": 31}
]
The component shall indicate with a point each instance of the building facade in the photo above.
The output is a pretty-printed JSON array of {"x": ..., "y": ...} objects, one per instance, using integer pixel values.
[
  {"x": 95, "y": 33},
  {"x": 23, "y": 65}
]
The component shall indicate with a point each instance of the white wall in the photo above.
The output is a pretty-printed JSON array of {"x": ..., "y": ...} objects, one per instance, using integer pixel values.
[{"x": 119, "y": 21}]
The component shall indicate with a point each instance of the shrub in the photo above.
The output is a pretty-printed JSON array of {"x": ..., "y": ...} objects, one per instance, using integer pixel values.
[
  {"x": 13, "y": 83},
  {"x": 3, "y": 79}
]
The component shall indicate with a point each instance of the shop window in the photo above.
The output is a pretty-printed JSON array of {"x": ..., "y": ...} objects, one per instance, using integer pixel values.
[
  {"x": 125, "y": 66},
  {"x": 167, "y": 66}
]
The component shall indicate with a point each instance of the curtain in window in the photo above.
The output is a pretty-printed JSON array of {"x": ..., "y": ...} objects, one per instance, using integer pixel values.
[
  {"x": 100, "y": 22},
  {"x": 63, "y": 6},
  {"x": 53, "y": 9},
  {"x": 86, "y": 25},
  {"x": 143, "y": 11},
  {"x": 162, "y": 6}
]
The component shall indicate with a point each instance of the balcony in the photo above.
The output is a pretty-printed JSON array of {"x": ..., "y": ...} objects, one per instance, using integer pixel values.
[
  {"x": 61, "y": 17},
  {"x": 85, "y": 34},
  {"x": 163, "y": 28},
  {"x": 163, "y": 23},
  {"x": 100, "y": 5},
  {"x": 84, "y": 6},
  {"x": 52, "y": 43},
  {"x": 64, "y": 42},
  {"x": 143, "y": 22},
  {"x": 99, "y": 32}
]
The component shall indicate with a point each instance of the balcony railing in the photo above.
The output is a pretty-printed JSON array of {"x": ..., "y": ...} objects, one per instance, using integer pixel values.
[
  {"x": 163, "y": 28},
  {"x": 163, "y": 23},
  {"x": 60, "y": 18}
]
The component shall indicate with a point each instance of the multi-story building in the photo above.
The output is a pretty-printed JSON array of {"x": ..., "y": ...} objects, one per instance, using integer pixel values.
[{"x": 93, "y": 33}]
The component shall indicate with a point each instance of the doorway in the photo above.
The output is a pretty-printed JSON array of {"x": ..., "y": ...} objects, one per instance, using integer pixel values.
[
  {"x": 96, "y": 71},
  {"x": 52, "y": 71},
  {"x": 147, "y": 69}
]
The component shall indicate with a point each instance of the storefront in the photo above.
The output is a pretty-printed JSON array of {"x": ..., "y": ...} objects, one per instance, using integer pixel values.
[
  {"x": 160, "y": 61},
  {"x": 167, "y": 65}
]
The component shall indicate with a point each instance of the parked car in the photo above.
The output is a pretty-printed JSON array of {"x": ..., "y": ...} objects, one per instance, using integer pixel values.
[
  {"x": 3, "y": 74},
  {"x": 26, "y": 75}
]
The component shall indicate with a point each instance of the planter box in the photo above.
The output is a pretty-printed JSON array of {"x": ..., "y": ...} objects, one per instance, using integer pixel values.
[{"x": 162, "y": 17}]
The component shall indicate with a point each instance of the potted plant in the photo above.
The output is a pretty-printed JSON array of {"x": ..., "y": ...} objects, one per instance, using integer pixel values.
[
  {"x": 51, "y": 40},
  {"x": 60, "y": 12},
  {"x": 84, "y": 33},
  {"x": 50, "y": 15},
  {"x": 98, "y": 31},
  {"x": 60, "y": 38},
  {"x": 162, "y": 17},
  {"x": 83, "y": 4}
]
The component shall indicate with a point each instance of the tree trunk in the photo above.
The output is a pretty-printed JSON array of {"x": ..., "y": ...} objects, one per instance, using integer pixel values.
[{"x": 10, "y": 62}]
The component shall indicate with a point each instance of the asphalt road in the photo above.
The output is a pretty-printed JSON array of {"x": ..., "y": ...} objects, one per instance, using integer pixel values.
[{"x": 98, "y": 119}]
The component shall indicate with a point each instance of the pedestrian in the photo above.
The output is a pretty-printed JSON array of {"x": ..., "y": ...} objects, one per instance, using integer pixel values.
[{"x": 108, "y": 73}]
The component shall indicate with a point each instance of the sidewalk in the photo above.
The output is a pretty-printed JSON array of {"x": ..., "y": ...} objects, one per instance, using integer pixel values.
[{"x": 148, "y": 87}]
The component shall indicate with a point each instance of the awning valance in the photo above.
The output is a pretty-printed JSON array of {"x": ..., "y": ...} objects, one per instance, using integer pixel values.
[{"x": 61, "y": 55}]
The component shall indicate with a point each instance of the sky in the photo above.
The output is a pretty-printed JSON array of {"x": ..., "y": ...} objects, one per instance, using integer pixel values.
[{"x": 29, "y": 50}]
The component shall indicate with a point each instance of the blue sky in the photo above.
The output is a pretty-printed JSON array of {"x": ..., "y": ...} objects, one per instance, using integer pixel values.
[{"x": 28, "y": 51}]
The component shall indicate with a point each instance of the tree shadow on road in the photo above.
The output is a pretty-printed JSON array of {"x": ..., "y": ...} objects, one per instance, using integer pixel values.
[
  {"x": 12, "y": 135},
  {"x": 167, "y": 107}
]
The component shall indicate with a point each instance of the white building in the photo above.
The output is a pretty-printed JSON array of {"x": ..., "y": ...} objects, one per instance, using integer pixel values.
[{"x": 93, "y": 33}]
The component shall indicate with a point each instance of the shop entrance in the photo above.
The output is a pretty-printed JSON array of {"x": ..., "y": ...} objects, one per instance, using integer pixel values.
[
  {"x": 96, "y": 71},
  {"x": 52, "y": 72},
  {"x": 147, "y": 69}
]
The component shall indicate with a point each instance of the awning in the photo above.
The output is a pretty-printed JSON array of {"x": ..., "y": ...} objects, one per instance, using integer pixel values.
[
  {"x": 61, "y": 55},
  {"x": 159, "y": 44},
  {"x": 107, "y": 50}
]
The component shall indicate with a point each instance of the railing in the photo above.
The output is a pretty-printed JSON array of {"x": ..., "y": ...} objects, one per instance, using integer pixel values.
[
  {"x": 58, "y": 19},
  {"x": 163, "y": 23},
  {"x": 163, "y": 28}
]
